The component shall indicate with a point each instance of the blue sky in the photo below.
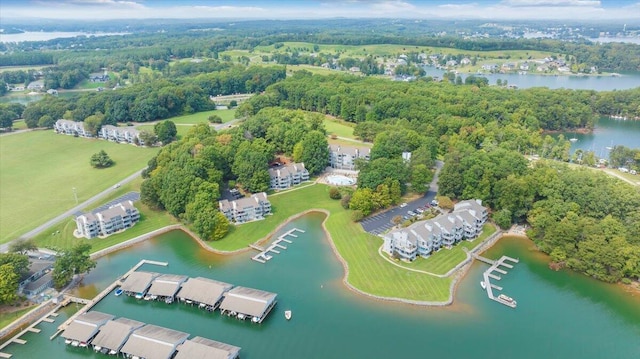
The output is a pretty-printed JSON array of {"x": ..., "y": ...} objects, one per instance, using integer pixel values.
[{"x": 318, "y": 9}]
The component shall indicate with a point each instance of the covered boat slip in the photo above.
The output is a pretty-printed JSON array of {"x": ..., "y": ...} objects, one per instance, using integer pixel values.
[
  {"x": 86, "y": 326},
  {"x": 203, "y": 291},
  {"x": 115, "y": 333},
  {"x": 166, "y": 285},
  {"x": 137, "y": 283},
  {"x": 153, "y": 342},
  {"x": 203, "y": 348},
  {"x": 247, "y": 302}
]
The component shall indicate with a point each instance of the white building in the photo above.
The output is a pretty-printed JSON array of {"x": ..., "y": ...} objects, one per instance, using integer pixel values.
[
  {"x": 115, "y": 218},
  {"x": 344, "y": 157},
  {"x": 73, "y": 128},
  {"x": 424, "y": 237},
  {"x": 288, "y": 176},
  {"x": 120, "y": 134},
  {"x": 246, "y": 209}
]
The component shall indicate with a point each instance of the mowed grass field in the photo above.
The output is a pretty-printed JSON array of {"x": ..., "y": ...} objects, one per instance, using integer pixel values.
[
  {"x": 339, "y": 128},
  {"x": 40, "y": 169},
  {"x": 368, "y": 271}
]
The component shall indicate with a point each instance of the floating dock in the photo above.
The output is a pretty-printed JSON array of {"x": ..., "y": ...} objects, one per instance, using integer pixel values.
[
  {"x": 263, "y": 256},
  {"x": 488, "y": 286}
]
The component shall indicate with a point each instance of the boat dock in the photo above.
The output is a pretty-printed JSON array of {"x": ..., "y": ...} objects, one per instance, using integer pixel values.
[
  {"x": 488, "y": 274},
  {"x": 89, "y": 303},
  {"x": 263, "y": 256}
]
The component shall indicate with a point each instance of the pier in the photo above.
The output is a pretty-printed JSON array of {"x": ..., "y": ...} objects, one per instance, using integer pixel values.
[
  {"x": 263, "y": 256},
  {"x": 88, "y": 304},
  {"x": 488, "y": 274}
]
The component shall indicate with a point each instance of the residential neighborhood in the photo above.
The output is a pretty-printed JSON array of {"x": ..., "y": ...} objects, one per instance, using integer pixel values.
[
  {"x": 286, "y": 176},
  {"x": 104, "y": 223},
  {"x": 246, "y": 209},
  {"x": 344, "y": 157},
  {"x": 425, "y": 237}
]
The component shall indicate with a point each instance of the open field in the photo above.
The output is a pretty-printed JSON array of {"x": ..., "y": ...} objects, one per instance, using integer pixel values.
[
  {"x": 19, "y": 125},
  {"x": 445, "y": 259},
  {"x": 200, "y": 117},
  {"x": 40, "y": 169},
  {"x": 23, "y": 68},
  {"x": 367, "y": 270},
  {"x": 338, "y": 128},
  {"x": 316, "y": 70}
]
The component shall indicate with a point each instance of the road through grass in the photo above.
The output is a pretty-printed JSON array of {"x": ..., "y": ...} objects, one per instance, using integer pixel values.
[{"x": 40, "y": 169}]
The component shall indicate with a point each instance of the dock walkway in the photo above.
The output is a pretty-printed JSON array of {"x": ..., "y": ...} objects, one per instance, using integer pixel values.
[
  {"x": 488, "y": 286},
  {"x": 263, "y": 256}
]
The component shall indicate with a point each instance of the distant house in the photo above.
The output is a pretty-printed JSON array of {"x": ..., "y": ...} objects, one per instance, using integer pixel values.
[
  {"x": 120, "y": 134},
  {"x": 288, "y": 176},
  {"x": 38, "y": 277},
  {"x": 465, "y": 61},
  {"x": 344, "y": 157},
  {"x": 73, "y": 128},
  {"x": 451, "y": 63},
  {"x": 36, "y": 85},
  {"x": 99, "y": 77},
  {"x": 424, "y": 237},
  {"x": 489, "y": 67},
  {"x": 246, "y": 209},
  {"x": 116, "y": 218}
]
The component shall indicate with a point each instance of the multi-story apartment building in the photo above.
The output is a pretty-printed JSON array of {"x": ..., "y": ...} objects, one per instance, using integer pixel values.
[
  {"x": 344, "y": 157},
  {"x": 288, "y": 176},
  {"x": 113, "y": 219},
  {"x": 69, "y": 127},
  {"x": 246, "y": 209},
  {"x": 120, "y": 134}
]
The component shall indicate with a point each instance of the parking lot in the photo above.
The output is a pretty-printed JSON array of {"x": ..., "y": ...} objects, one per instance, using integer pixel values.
[
  {"x": 131, "y": 196},
  {"x": 381, "y": 222}
]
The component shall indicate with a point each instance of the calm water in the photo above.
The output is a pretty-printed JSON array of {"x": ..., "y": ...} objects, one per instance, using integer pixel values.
[
  {"x": 559, "y": 315},
  {"x": 608, "y": 132},
  {"x": 597, "y": 83}
]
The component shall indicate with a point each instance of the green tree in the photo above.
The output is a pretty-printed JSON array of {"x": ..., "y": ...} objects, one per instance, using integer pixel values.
[
  {"x": 19, "y": 262},
  {"x": 101, "y": 160},
  {"x": 503, "y": 218},
  {"x": 251, "y": 164},
  {"x": 93, "y": 123},
  {"x": 315, "y": 152},
  {"x": 215, "y": 119},
  {"x": 46, "y": 121},
  {"x": 148, "y": 138},
  {"x": 362, "y": 200},
  {"x": 23, "y": 246},
  {"x": 166, "y": 131},
  {"x": 75, "y": 261},
  {"x": 9, "y": 282},
  {"x": 421, "y": 177},
  {"x": 204, "y": 215},
  {"x": 6, "y": 118}
]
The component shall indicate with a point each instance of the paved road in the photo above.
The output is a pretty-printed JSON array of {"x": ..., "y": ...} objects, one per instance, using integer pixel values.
[
  {"x": 5, "y": 247},
  {"x": 381, "y": 222}
]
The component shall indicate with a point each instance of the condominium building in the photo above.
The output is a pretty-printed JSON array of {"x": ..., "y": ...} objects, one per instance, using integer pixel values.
[
  {"x": 120, "y": 134},
  {"x": 424, "y": 237},
  {"x": 344, "y": 157},
  {"x": 246, "y": 209},
  {"x": 69, "y": 127},
  {"x": 115, "y": 218},
  {"x": 288, "y": 175}
]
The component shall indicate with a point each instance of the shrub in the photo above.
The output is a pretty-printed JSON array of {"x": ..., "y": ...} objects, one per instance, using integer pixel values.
[
  {"x": 503, "y": 218},
  {"x": 334, "y": 193},
  {"x": 444, "y": 202},
  {"x": 215, "y": 119},
  {"x": 344, "y": 202},
  {"x": 357, "y": 215}
]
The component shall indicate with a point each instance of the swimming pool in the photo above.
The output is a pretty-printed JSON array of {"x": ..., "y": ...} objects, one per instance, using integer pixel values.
[{"x": 340, "y": 180}]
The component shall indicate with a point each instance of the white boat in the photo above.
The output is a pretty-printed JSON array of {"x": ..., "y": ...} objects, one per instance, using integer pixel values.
[
  {"x": 139, "y": 296},
  {"x": 287, "y": 314},
  {"x": 75, "y": 343},
  {"x": 67, "y": 341},
  {"x": 255, "y": 319},
  {"x": 169, "y": 300},
  {"x": 113, "y": 352},
  {"x": 97, "y": 348},
  {"x": 241, "y": 316},
  {"x": 507, "y": 299},
  {"x": 83, "y": 345},
  {"x": 154, "y": 297},
  {"x": 483, "y": 284},
  {"x": 573, "y": 139}
]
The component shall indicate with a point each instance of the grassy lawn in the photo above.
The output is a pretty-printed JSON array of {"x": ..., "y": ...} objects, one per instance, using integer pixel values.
[
  {"x": 182, "y": 129},
  {"x": 367, "y": 270},
  {"x": 338, "y": 128},
  {"x": 340, "y": 142},
  {"x": 192, "y": 119},
  {"x": 40, "y": 169},
  {"x": 19, "y": 125},
  {"x": 7, "y": 318},
  {"x": 316, "y": 70},
  {"x": 445, "y": 259}
]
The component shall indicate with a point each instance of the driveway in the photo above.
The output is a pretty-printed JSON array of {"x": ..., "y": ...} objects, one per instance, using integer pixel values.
[{"x": 381, "y": 222}]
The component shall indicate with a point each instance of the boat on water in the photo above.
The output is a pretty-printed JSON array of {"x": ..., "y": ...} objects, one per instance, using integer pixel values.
[
  {"x": 83, "y": 345},
  {"x": 483, "y": 284},
  {"x": 75, "y": 343},
  {"x": 255, "y": 319},
  {"x": 113, "y": 352},
  {"x": 507, "y": 299},
  {"x": 67, "y": 341},
  {"x": 573, "y": 139},
  {"x": 147, "y": 297},
  {"x": 169, "y": 300},
  {"x": 139, "y": 296},
  {"x": 241, "y": 316},
  {"x": 119, "y": 292},
  {"x": 287, "y": 314},
  {"x": 97, "y": 348}
]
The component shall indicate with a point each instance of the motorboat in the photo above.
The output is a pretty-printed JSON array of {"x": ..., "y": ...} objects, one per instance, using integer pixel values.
[
  {"x": 188, "y": 301},
  {"x": 139, "y": 296},
  {"x": 573, "y": 139},
  {"x": 119, "y": 292},
  {"x": 483, "y": 284},
  {"x": 97, "y": 348},
  {"x": 169, "y": 300},
  {"x": 67, "y": 341},
  {"x": 83, "y": 345},
  {"x": 255, "y": 319},
  {"x": 113, "y": 352},
  {"x": 287, "y": 314},
  {"x": 241, "y": 316},
  {"x": 75, "y": 343},
  {"x": 154, "y": 297},
  {"x": 507, "y": 299},
  {"x": 147, "y": 297}
]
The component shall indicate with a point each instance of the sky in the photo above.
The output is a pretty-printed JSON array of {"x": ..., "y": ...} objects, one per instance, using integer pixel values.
[{"x": 320, "y": 9}]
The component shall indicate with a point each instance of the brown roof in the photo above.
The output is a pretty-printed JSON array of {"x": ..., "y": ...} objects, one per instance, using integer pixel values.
[
  {"x": 85, "y": 326},
  {"x": 203, "y": 290},
  {"x": 203, "y": 348},
  {"x": 249, "y": 301},
  {"x": 153, "y": 342},
  {"x": 115, "y": 333}
]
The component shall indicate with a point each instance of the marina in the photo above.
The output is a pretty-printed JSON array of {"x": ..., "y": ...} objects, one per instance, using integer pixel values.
[
  {"x": 488, "y": 274},
  {"x": 263, "y": 256}
]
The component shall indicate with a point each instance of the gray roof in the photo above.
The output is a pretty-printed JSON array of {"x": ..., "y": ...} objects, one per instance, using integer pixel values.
[
  {"x": 138, "y": 282},
  {"x": 469, "y": 204},
  {"x": 203, "y": 348},
  {"x": 153, "y": 342},
  {"x": 354, "y": 151},
  {"x": 39, "y": 282},
  {"x": 167, "y": 285},
  {"x": 247, "y": 301},
  {"x": 115, "y": 333},
  {"x": 203, "y": 290},
  {"x": 85, "y": 326}
]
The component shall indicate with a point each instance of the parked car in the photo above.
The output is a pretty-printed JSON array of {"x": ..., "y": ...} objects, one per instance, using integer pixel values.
[
  {"x": 419, "y": 210},
  {"x": 434, "y": 202},
  {"x": 412, "y": 213},
  {"x": 404, "y": 204}
]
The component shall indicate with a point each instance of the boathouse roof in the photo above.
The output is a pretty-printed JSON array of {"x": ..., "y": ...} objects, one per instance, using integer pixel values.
[
  {"x": 203, "y": 348},
  {"x": 203, "y": 290},
  {"x": 166, "y": 285},
  {"x": 115, "y": 333},
  {"x": 138, "y": 282},
  {"x": 85, "y": 326},
  {"x": 153, "y": 342},
  {"x": 249, "y": 301}
]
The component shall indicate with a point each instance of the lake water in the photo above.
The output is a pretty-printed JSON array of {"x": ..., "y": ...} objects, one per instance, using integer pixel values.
[
  {"x": 597, "y": 83},
  {"x": 608, "y": 132},
  {"x": 44, "y": 36},
  {"x": 559, "y": 314}
]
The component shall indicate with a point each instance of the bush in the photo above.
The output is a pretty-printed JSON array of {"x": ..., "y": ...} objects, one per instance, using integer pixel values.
[
  {"x": 503, "y": 218},
  {"x": 101, "y": 160},
  {"x": 357, "y": 215},
  {"x": 334, "y": 193},
  {"x": 233, "y": 104},
  {"x": 344, "y": 202},
  {"x": 215, "y": 119},
  {"x": 444, "y": 202}
]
